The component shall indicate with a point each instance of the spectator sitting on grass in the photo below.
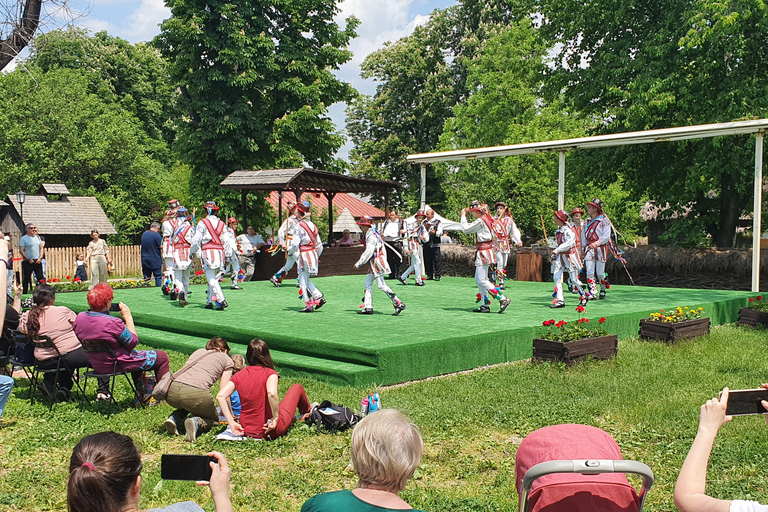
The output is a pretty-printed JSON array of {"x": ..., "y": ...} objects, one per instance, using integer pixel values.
[
  {"x": 386, "y": 450},
  {"x": 690, "y": 490},
  {"x": 234, "y": 398},
  {"x": 105, "y": 476}
]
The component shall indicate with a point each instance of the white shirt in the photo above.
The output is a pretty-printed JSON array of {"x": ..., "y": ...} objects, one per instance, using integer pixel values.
[
  {"x": 747, "y": 506},
  {"x": 249, "y": 243},
  {"x": 391, "y": 230}
]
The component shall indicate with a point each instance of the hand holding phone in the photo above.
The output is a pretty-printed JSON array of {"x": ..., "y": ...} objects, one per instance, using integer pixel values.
[
  {"x": 196, "y": 468},
  {"x": 114, "y": 308},
  {"x": 743, "y": 402}
]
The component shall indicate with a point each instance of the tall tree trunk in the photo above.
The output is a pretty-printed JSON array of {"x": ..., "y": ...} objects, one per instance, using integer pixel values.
[
  {"x": 730, "y": 210},
  {"x": 23, "y": 31}
]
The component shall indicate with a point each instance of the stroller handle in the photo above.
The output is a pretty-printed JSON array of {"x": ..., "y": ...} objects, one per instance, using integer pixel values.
[{"x": 586, "y": 467}]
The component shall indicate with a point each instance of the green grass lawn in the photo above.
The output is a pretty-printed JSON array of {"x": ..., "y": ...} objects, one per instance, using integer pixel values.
[{"x": 648, "y": 398}]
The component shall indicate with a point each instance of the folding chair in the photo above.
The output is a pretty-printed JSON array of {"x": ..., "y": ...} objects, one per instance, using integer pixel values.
[
  {"x": 23, "y": 357},
  {"x": 45, "y": 342},
  {"x": 101, "y": 346}
]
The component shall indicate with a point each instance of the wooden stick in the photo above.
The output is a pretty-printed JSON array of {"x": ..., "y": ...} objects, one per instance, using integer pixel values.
[{"x": 546, "y": 238}]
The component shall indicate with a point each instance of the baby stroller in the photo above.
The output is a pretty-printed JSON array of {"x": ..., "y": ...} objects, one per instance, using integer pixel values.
[{"x": 576, "y": 468}]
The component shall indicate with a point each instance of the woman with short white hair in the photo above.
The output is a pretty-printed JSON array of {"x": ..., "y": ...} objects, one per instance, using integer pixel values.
[{"x": 386, "y": 450}]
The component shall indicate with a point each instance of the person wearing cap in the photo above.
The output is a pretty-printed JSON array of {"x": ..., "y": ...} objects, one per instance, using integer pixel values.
[
  {"x": 170, "y": 223},
  {"x": 285, "y": 241},
  {"x": 597, "y": 235},
  {"x": 376, "y": 256},
  {"x": 414, "y": 233},
  {"x": 307, "y": 246},
  {"x": 482, "y": 227},
  {"x": 390, "y": 233},
  {"x": 208, "y": 237},
  {"x": 249, "y": 243},
  {"x": 182, "y": 255},
  {"x": 232, "y": 252},
  {"x": 504, "y": 228},
  {"x": 151, "y": 254},
  {"x": 565, "y": 257},
  {"x": 97, "y": 255}
]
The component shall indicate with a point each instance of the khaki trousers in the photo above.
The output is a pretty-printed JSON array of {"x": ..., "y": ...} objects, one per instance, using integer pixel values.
[
  {"x": 195, "y": 401},
  {"x": 98, "y": 270}
]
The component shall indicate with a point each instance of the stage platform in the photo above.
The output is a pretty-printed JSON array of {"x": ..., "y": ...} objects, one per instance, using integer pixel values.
[{"x": 438, "y": 333}]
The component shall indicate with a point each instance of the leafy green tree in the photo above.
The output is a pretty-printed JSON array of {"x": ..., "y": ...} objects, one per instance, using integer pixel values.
[
  {"x": 643, "y": 65},
  {"x": 504, "y": 107},
  {"x": 54, "y": 131},
  {"x": 256, "y": 82}
]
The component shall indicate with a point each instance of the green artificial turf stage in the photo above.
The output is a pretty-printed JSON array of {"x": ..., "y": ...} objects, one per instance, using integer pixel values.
[{"x": 438, "y": 333}]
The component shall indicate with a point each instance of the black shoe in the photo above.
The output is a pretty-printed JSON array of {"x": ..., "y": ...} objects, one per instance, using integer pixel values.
[
  {"x": 400, "y": 278},
  {"x": 308, "y": 309},
  {"x": 430, "y": 278},
  {"x": 63, "y": 395},
  {"x": 399, "y": 308},
  {"x": 559, "y": 304},
  {"x": 182, "y": 299},
  {"x": 165, "y": 290},
  {"x": 173, "y": 296},
  {"x": 420, "y": 283},
  {"x": 503, "y": 305},
  {"x": 366, "y": 311},
  {"x": 320, "y": 303},
  {"x": 583, "y": 302},
  {"x": 221, "y": 306},
  {"x": 482, "y": 309},
  {"x": 602, "y": 295},
  {"x": 437, "y": 278},
  {"x": 209, "y": 305}
]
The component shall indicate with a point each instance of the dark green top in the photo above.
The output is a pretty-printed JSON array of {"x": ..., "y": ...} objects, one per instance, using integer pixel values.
[{"x": 341, "y": 501}]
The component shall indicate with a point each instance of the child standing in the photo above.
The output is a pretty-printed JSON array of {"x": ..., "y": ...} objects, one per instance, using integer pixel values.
[
  {"x": 80, "y": 272},
  {"x": 565, "y": 258}
]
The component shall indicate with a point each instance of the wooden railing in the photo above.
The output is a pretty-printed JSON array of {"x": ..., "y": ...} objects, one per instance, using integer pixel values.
[{"x": 60, "y": 261}]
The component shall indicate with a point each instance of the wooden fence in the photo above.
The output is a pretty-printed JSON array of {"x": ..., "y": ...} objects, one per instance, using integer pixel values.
[{"x": 60, "y": 261}]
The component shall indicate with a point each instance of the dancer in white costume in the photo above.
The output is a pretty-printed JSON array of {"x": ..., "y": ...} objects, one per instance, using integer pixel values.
[
  {"x": 307, "y": 248},
  {"x": 168, "y": 227},
  {"x": 231, "y": 252},
  {"x": 208, "y": 237},
  {"x": 597, "y": 235},
  {"x": 505, "y": 230},
  {"x": 413, "y": 234},
  {"x": 376, "y": 256},
  {"x": 565, "y": 258},
  {"x": 482, "y": 227},
  {"x": 284, "y": 241},
  {"x": 182, "y": 255},
  {"x": 577, "y": 223}
]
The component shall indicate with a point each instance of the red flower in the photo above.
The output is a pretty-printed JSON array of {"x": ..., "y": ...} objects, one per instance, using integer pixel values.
[
  {"x": 551, "y": 322},
  {"x": 76, "y": 280},
  {"x": 561, "y": 323},
  {"x": 759, "y": 297},
  {"x": 751, "y": 299},
  {"x": 199, "y": 272},
  {"x": 68, "y": 277},
  {"x": 580, "y": 309},
  {"x": 545, "y": 323},
  {"x": 586, "y": 320},
  {"x": 601, "y": 320}
]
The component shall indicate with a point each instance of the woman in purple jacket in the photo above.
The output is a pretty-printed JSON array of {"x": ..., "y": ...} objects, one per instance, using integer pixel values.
[{"x": 120, "y": 335}]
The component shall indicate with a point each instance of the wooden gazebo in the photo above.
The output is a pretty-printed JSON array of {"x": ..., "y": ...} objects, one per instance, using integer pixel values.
[{"x": 301, "y": 180}]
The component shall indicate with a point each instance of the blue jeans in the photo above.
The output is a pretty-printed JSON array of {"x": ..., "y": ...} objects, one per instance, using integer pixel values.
[{"x": 6, "y": 385}]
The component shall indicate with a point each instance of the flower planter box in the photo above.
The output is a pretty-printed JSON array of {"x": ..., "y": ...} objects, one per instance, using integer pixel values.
[
  {"x": 665, "y": 331},
  {"x": 603, "y": 347},
  {"x": 753, "y": 318}
]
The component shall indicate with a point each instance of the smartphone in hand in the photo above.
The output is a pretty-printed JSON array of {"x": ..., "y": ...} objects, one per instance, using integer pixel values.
[
  {"x": 742, "y": 402},
  {"x": 186, "y": 467},
  {"x": 114, "y": 307}
]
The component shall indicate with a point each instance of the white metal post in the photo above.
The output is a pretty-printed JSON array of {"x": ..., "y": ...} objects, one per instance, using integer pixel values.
[
  {"x": 757, "y": 229},
  {"x": 423, "y": 185},
  {"x": 561, "y": 181}
]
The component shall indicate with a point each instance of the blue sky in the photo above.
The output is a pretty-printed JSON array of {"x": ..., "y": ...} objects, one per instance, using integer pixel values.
[{"x": 381, "y": 21}]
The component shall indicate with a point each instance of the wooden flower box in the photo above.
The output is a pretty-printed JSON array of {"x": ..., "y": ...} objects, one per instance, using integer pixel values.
[
  {"x": 753, "y": 318},
  {"x": 603, "y": 347},
  {"x": 666, "y": 331}
]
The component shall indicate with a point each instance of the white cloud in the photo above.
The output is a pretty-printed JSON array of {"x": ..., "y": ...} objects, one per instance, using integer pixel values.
[{"x": 144, "y": 22}]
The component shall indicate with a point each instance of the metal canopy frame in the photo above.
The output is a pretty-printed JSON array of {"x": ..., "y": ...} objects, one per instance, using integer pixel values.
[
  {"x": 302, "y": 180},
  {"x": 757, "y": 127}
]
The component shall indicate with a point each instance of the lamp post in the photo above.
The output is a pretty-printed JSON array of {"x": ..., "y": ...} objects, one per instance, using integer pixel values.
[{"x": 21, "y": 196}]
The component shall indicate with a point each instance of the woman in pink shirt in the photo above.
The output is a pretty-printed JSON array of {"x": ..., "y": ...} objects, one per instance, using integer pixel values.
[{"x": 46, "y": 319}]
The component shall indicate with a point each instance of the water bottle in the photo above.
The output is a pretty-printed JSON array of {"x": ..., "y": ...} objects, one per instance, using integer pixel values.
[
  {"x": 364, "y": 406},
  {"x": 372, "y": 406},
  {"x": 378, "y": 400}
]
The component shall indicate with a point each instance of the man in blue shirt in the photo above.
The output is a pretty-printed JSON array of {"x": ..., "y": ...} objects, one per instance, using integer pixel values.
[
  {"x": 30, "y": 248},
  {"x": 151, "y": 258}
]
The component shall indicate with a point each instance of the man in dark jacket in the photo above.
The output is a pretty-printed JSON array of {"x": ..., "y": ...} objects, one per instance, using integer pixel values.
[{"x": 151, "y": 257}]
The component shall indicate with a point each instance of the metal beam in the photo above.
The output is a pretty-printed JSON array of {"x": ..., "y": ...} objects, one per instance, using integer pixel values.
[
  {"x": 423, "y": 185},
  {"x": 561, "y": 180},
  {"x": 757, "y": 230}
]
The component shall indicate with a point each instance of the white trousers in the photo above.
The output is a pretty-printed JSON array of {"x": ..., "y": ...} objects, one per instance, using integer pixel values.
[
  {"x": 309, "y": 292},
  {"x": 595, "y": 274},
  {"x": 369, "y": 279},
  {"x": 415, "y": 267},
  {"x": 215, "y": 294},
  {"x": 557, "y": 274},
  {"x": 234, "y": 265},
  {"x": 168, "y": 272},
  {"x": 290, "y": 261},
  {"x": 484, "y": 285},
  {"x": 181, "y": 280}
]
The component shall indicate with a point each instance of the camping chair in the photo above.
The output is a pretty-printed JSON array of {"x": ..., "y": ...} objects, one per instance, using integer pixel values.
[
  {"x": 23, "y": 357},
  {"x": 45, "y": 342},
  {"x": 101, "y": 346},
  {"x": 6, "y": 348}
]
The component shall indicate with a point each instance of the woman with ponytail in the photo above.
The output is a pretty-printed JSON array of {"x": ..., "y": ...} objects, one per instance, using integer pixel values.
[
  {"x": 47, "y": 319},
  {"x": 105, "y": 476}
]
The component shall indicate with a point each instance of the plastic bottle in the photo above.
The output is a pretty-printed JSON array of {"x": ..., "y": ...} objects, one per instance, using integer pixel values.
[
  {"x": 364, "y": 406},
  {"x": 378, "y": 400},
  {"x": 372, "y": 404}
]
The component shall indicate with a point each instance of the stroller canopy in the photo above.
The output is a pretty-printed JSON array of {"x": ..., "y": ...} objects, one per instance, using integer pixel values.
[{"x": 573, "y": 492}]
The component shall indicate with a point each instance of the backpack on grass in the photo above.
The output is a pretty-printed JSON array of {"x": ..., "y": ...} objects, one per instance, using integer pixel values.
[{"x": 331, "y": 418}]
